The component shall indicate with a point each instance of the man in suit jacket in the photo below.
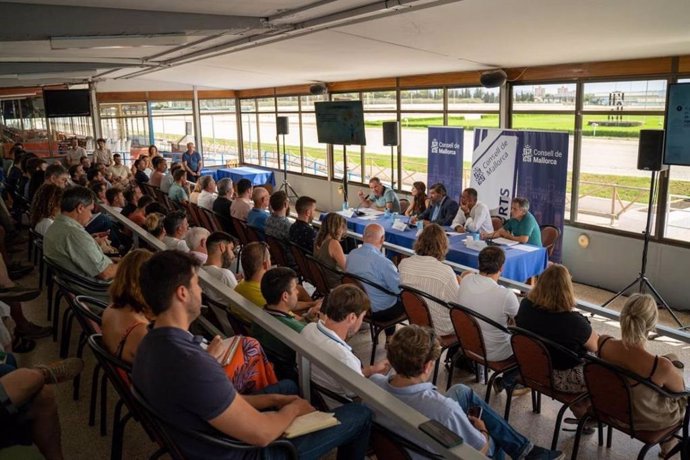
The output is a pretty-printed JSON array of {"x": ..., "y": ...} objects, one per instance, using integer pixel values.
[{"x": 442, "y": 210}]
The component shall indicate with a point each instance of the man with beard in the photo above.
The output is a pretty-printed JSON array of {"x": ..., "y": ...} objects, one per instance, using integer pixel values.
[{"x": 220, "y": 247}]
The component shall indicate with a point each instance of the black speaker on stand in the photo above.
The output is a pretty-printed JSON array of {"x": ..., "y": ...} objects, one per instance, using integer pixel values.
[
  {"x": 390, "y": 137},
  {"x": 649, "y": 158},
  {"x": 283, "y": 128}
]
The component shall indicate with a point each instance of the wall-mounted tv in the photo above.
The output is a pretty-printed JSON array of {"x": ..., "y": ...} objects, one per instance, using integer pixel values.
[
  {"x": 340, "y": 123},
  {"x": 67, "y": 103},
  {"x": 677, "y": 141}
]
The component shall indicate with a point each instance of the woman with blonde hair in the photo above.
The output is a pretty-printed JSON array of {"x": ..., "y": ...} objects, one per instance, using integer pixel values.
[
  {"x": 426, "y": 272},
  {"x": 650, "y": 410},
  {"x": 548, "y": 312},
  {"x": 327, "y": 248},
  {"x": 126, "y": 320},
  {"x": 154, "y": 225}
]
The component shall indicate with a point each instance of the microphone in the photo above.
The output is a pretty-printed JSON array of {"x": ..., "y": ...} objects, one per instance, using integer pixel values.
[{"x": 357, "y": 212}]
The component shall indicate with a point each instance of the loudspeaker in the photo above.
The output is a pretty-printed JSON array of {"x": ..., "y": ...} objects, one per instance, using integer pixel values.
[
  {"x": 650, "y": 153},
  {"x": 493, "y": 78},
  {"x": 282, "y": 126},
  {"x": 390, "y": 133},
  {"x": 318, "y": 88}
]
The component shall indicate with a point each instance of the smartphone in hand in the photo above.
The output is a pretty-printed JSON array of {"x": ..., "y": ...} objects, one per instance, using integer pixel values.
[{"x": 475, "y": 411}]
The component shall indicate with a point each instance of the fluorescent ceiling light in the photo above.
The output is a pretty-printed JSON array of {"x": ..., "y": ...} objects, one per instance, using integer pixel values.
[
  {"x": 82, "y": 74},
  {"x": 117, "y": 41}
]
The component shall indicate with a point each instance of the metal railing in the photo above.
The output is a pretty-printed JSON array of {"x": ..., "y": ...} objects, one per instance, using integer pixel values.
[{"x": 405, "y": 417}]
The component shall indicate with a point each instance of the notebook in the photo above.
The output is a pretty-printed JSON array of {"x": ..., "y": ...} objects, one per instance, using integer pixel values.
[{"x": 309, "y": 423}]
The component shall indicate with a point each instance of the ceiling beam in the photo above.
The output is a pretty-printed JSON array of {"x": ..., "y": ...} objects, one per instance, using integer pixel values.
[
  {"x": 40, "y": 22},
  {"x": 53, "y": 67}
]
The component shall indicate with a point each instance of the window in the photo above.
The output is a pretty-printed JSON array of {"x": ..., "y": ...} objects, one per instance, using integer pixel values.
[
  {"x": 173, "y": 126},
  {"x": 612, "y": 191},
  {"x": 125, "y": 127},
  {"x": 219, "y": 131}
]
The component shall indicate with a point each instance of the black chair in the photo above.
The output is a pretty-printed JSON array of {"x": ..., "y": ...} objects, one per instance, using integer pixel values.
[
  {"x": 88, "y": 312},
  {"x": 217, "y": 439},
  {"x": 277, "y": 248},
  {"x": 375, "y": 327},
  {"x": 226, "y": 319},
  {"x": 69, "y": 285},
  {"x": 610, "y": 391},
  {"x": 389, "y": 445},
  {"x": 36, "y": 242}
]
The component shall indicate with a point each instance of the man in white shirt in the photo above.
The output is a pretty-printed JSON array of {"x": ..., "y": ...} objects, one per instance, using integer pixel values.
[
  {"x": 221, "y": 254},
  {"x": 473, "y": 215},
  {"x": 176, "y": 227},
  {"x": 196, "y": 242},
  {"x": 208, "y": 193},
  {"x": 481, "y": 292},
  {"x": 240, "y": 207},
  {"x": 345, "y": 309},
  {"x": 74, "y": 152},
  {"x": 119, "y": 172},
  {"x": 101, "y": 154}
]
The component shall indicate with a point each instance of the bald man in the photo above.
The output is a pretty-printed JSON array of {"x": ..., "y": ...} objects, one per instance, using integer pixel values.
[
  {"x": 370, "y": 263},
  {"x": 259, "y": 213}
]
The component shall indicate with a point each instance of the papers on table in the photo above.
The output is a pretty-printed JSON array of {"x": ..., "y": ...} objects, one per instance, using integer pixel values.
[
  {"x": 369, "y": 217},
  {"x": 477, "y": 245},
  {"x": 504, "y": 242},
  {"x": 526, "y": 248},
  {"x": 346, "y": 213},
  {"x": 371, "y": 212}
]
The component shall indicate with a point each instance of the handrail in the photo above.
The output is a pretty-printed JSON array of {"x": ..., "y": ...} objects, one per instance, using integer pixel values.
[
  {"x": 405, "y": 417},
  {"x": 666, "y": 331}
]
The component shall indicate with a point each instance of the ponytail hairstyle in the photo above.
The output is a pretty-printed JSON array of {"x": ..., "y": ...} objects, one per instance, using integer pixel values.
[{"x": 638, "y": 318}]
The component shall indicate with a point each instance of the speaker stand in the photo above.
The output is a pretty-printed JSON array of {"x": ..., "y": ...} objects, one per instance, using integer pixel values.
[
  {"x": 392, "y": 168},
  {"x": 344, "y": 174},
  {"x": 642, "y": 279},
  {"x": 285, "y": 186}
]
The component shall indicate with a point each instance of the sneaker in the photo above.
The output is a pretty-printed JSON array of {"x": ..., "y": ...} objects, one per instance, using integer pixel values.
[
  {"x": 61, "y": 371},
  {"x": 498, "y": 385},
  {"x": 541, "y": 453},
  {"x": 33, "y": 331}
]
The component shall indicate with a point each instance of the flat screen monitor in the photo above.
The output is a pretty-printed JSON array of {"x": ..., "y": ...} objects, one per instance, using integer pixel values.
[
  {"x": 677, "y": 142},
  {"x": 340, "y": 123},
  {"x": 67, "y": 103}
]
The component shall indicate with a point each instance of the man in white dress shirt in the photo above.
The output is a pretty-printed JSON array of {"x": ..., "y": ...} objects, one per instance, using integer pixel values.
[{"x": 473, "y": 215}]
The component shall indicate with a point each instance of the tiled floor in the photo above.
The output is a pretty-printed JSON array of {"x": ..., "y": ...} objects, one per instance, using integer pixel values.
[{"x": 83, "y": 442}]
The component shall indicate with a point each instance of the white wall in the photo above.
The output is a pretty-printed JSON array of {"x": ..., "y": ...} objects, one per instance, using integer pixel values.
[{"x": 610, "y": 261}]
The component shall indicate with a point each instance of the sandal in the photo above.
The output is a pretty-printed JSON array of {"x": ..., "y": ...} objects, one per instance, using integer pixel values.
[
  {"x": 61, "y": 371},
  {"x": 23, "y": 345}
]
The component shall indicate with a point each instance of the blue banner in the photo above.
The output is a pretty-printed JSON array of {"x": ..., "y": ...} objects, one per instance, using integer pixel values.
[
  {"x": 542, "y": 170},
  {"x": 445, "y": 159},
  {"x": 540, "y": 173}
]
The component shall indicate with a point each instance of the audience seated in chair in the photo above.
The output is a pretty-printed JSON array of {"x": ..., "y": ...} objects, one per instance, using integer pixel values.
[
  {"x": 327, "y": 247},
  {"x": 169, "y": 178},
  {"x": 412, "y": 352},
  {"x": 196, "y": 242},
  {"x": 132, "y": 196},
  {"x": 208, "y": 192},
  {"x": 159, "y": 164},
  {"x": 650, "y": 410},
  {"x": 178, "y": 189},
  {"x": 259, "y": 213},
  {"x": 277, "y": 224},
  {"x": 115, "y": 198},
  {"x": 482, "y": 293},
  {"x": 243, "y": 203},
  {"x": 370, "y": 263},
  {"x": 221, "y": 254},
  {"x": 45, "y": 207},
  {"x": 279, "y": 288},
  {"x": 301, "y": 232},
  {"x": 67, "y": 243},
  {"x": 176, "y": 227},
  {"x": 343, "y": 314},
  {"x": 187, "y": 386},
  {"x": 126, "y": 322},
  {"x": 548, "y": 312},
  {"x": 426, "y": 272},
  {"x": 221, "y": 205}
]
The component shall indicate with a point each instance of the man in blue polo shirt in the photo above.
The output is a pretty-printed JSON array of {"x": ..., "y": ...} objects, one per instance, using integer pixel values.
[
  {"x": 521, "y": 227},
  {"x": 369, "y": 262},
  {"x": 186, "y": 385},
  {"x": 381, "y": 198},
  {"x": 192, "y": 163}
]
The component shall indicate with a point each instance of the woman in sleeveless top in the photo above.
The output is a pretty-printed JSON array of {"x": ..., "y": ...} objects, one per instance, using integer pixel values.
[
  {"x": 419, "y": 200},
  {"x": 651, "y": 410},
  {"x": 327, "y": 248},
  {"x": 126, "y": 320}
]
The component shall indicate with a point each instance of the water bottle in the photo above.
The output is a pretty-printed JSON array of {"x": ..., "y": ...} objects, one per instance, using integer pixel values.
[
  {"x": 420, "y": 225},
  {"x": 387, "y": 214},
  {"x": 345, "y": 206}
]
